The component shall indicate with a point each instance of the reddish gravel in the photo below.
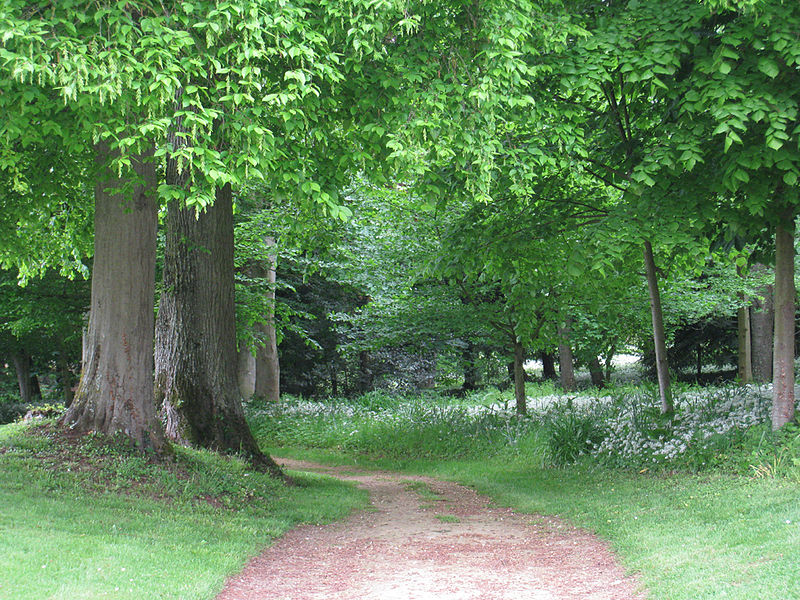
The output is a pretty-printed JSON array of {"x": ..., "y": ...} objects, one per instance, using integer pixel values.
[{"x": 401, "y": 550}]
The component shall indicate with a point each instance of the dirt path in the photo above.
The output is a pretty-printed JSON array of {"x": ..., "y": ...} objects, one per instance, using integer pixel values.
[{"x": 431, "y": 540}]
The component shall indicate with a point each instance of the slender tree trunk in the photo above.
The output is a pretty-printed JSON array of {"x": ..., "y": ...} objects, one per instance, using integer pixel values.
[
  {"x": 761, "y": 330},
  {"x": 565, "y": 361},
  {"x": 246, "y": 373},
  {"x": 699, "y": 362},
  {"x": 609, "y": 360},
  {"x": 548, "y": 366},
  {"x": 196, "y": 362},
  {"x": 519, "y": 379},
  {"x": 783, "y": 352},
  {"x": 115, "y": 393},
  {"x": 268, "y": 370},
  {"x": 596, "y": 372},
  {"x": 22, "y": 365},
  {"x": 745, "y": 357},
  {"x": 659, "y": 337},
  {"x": 65, "y": 378},
  {"x": 364, "y": 372},
  {"x": 470, "y": 367}
]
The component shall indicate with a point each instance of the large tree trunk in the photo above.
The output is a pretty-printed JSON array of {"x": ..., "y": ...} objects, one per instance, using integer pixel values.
[
  {"x": 115, "y": 393},
  {"x": 596, "y": 372},
  {"x": 268, "y": 370},
  {"x": 566, "y": 366},
  {"x": 519, "y": 379},
  {"x": 761, "y": 329},
  {"x": 196, "y": 362},
  {"x": 659, "y": 337},
  {"x": 548, "y": 366},
  {"x": 783, "y": 352}
]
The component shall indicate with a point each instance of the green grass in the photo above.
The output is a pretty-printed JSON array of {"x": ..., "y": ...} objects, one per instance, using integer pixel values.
[{"x": 90, "y": 519}]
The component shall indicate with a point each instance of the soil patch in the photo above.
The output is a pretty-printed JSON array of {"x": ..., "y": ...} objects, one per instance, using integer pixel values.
[{"x": 424, "y": 539}]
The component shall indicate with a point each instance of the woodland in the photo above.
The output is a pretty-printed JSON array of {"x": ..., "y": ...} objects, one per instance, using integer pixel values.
[{"x": 402, "y": 230}]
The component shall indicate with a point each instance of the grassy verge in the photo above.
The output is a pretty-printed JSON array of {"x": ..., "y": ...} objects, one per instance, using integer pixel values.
[
  {"x": 688, "y": 536},
  {"x": 85, "y": 519}
]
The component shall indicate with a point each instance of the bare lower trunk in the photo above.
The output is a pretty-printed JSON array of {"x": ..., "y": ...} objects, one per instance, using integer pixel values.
[
  {"x": 470, "y": 367},
  {"x": 115, "y": 393},
  {"x": 596, "y": 372},
  {"x": 565, "y": 360},
  {"x": 659, "y": 338},
  {"x": 519, "y": 379},
  {"x": 246, "y": 373},
  {"x": 744, "y": 356},
  {"x": 761, "y": 330},
  {"x": 65, "y": 378},
  {"x": 783, "y": 352},
  {"x": 268, "y": 371},
  {"x": 195, "y": 358},
  {"x": 22, "y": 366},
  {"x": 548, "y": 366}
]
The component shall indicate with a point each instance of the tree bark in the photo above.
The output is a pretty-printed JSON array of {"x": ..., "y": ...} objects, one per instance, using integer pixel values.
[
  {"x": 548, "y": 366},
  {"x": 195, "y": 357},
  {"x": 22, "y": 366},
  {"x": 519, "y": 379},
  {"x": 268, "y": 370},
  {"x": 65, "y": 378},
  {"x": 596, "y": 372},
  {"x": 470, "y": 367},
  {"x": 783, "y": 352},
  {"x": 115, "y": 393},
  {"x": 745, "y": 358},
  {"x": 566, "y": 364},
  {"x": 659, "y": 337},
  {"x": 761, "y": 329},
  {"x": 246, "y": 373}
]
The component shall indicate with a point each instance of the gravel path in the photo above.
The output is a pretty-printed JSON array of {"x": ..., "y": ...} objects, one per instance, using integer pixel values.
[{"x": 424, "y": 539}]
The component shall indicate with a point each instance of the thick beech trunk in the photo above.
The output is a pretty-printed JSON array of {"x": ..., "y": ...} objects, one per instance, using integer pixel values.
[
  {"x": 195, "y": 358},
  {"x": 659, "y": 338},
  {"x": 519, "y": 379},
  {"x": 745, "y": 357},
  {"x": 596, "y": 372},
  {"x": 761, "y": 330},
  {"x": 115, "y": 393},
  {"x": 566, "y": 364},
  {"x": 783, "y": 351},
  {"x": 548, "y": 366},
  {"x": 268, "y": 370}
]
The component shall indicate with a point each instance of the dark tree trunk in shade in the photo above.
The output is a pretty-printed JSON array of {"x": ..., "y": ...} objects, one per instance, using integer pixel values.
[
  {"x": 761, "y": 330},
  {"x": 548, "y": 366},
  {"x": 268, "y": 371},
  {"x": 22, "y": 366},
  {"x": 195, "y": 358},
  {"x": 783, "y": 351},
  {"x": 470, "y": 367},
  {"x": 65, "y": 378},
  {"x": 659, "y": 337},
  {"x": 596, "y": 372},
  {"x": 519, "y": 379},
  {"x": 115, "y": 393},
  {"x": 744, "y": 358},
  {"x": 566, "y": 364}
]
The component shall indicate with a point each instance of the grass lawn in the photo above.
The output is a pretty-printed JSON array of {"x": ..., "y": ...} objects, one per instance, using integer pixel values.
[
  {"x": 689, "y": 537},
  {"x": 88, "y": 519}
]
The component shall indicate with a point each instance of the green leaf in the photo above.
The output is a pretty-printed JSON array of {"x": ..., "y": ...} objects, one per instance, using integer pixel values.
[{"x": 769, "y": 67}]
